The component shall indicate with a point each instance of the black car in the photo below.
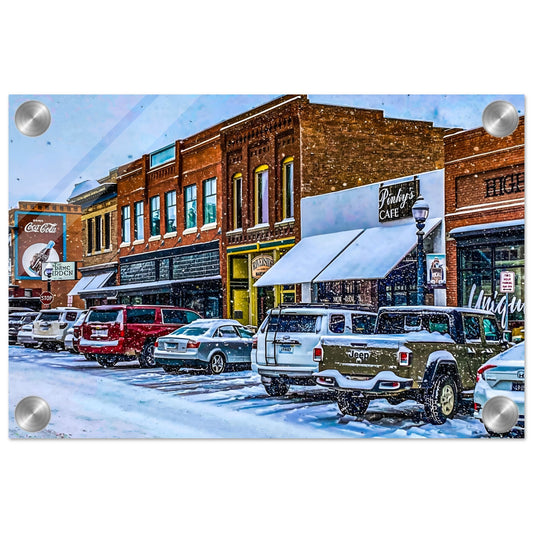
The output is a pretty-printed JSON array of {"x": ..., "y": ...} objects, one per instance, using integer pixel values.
[{"x": 17, "y": 320}]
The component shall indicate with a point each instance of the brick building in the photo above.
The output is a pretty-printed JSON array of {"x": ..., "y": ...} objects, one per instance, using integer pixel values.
[
  {"x": 169, "y": 224},
  {"x": 288, "y": 149},
  {"x": 484, "y": 205},
  {"x": 98, "y": 202},
  {"x": 37, "y": 228}
]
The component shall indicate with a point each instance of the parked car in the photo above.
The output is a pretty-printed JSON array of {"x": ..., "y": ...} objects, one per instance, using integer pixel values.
[
  {"x": 211, "y": 344},
  {"x": 17, "y": 320},
  {"x": 25, "y": 336},
  {"x": 72, "y": 338},
  {"x": 51, "y": 325},
  {"x": 424, "y": 353},
  {"x": 113, "y": 333},
  {"x": 502, "y": 375},
  {"x": 285, "y": 341}
]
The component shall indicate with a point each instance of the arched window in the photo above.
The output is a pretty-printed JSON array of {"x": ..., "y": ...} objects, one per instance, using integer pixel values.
[
  {"x": 237, "y": 201},
  {"x": 261, "y": 195},
  {"x": 288, "y": 187}
]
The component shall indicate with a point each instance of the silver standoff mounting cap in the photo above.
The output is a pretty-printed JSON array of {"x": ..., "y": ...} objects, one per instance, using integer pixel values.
[
  {"x": 32, "y": 413},
  {"x": 500, "y": 118}
]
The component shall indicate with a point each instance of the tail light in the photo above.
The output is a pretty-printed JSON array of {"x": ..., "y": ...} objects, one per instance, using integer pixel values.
[
  {"x": 254, "y": 343},
  {"x": 63, "y": 325},
  {"x": 156, "y": 343},
  {"x": 404, "y": 356},
  {"x": 193, "y": 344},
  {"x": 482, "y": 370},
  {"x": 318, "y": 354}
]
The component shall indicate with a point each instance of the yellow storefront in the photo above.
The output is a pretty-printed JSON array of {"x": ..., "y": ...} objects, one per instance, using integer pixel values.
[{"x": 246, "y": 264}]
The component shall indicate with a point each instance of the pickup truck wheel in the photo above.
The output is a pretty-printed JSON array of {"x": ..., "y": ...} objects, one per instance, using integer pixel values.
[
  {"x": 441, "y": 400},
  {"x": 277, "y": 387},
  {"x": 146, "y": 358},
  {"x": 217, "y": 364},
  {"x": 351, "y": 404},
  {"x": 107, "y": 362}
]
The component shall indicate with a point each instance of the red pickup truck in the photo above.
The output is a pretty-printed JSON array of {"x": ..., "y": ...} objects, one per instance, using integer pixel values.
[{"x": 113, "y": 333}]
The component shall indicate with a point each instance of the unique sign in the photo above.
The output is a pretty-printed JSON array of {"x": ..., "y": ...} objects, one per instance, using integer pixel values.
[
  {"x": 60, "y": 271},
  {"x": 436, "y": 271},
  {"x": 39, "y": 239},
  {"x": 500, "y": 305},
  {"x": 396, "y": 201},
  {"x": 46, "y": 298},
  {"x": 260, "y": 264},
  {"x": 506, "y": 281}
]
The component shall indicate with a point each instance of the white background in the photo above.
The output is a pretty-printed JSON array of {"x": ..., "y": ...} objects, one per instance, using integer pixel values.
[{"x": 274, "y": 47}]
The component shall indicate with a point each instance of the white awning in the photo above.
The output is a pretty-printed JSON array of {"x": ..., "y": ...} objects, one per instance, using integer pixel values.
[
  {"x": 155, "y": 285},
  {"x": 307, "y": 259},
  {"x": 375, "y": 253},
  {"x": 90, "y": 283}
]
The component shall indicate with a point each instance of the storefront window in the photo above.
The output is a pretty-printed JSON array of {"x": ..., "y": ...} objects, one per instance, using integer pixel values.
[{"x": 479, "y": 277}]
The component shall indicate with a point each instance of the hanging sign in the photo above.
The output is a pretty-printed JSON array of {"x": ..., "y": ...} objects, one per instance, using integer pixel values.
[
  {"x": 396, "y": 200},
  {"x": 260, "y": 264},
  {"x": 436, "y": 271}
]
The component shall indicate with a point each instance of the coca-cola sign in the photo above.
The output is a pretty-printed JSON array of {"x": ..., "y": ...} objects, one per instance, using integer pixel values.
[{"x": 39, "y": 239}]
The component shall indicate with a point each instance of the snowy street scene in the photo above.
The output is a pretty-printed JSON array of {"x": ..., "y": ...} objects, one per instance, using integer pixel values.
[{"x": 88, "y": 401}]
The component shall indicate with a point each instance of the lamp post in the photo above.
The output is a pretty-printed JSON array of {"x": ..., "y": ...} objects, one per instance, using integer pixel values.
[
  {"x": 420, "y": 212},
  {"x": 48, "y": 273}
]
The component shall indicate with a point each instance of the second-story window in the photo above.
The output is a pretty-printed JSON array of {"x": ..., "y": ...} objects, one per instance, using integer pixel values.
[
  {"x": 190, "y": 206},
  {"x": 163, "y": 156},
  {"x": 98, "y": 233},
  {"x": 288, "y": 188},
  {"x": 90, "y": 235},
  {"x": 210, "y": 201},
  {"x": 261, "y": 195},
  {"x": 155, "y": 218},
  {"x": 170, "y": 211},
  {"x": 126, "y": 223},
  {"x": 138, "y": 222},
  {"x": 237, "y": 201},
  {"x": 107, "y": 231}
]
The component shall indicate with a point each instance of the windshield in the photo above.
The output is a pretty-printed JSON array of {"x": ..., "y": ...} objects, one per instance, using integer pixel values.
[
  {"x": 393, "y": 323},
  {"x": 292, "y": 323},
  {"x": 49, "y": 316},
  {"x": 99, "y": 315},
  {"x": 191, "y": 331}
]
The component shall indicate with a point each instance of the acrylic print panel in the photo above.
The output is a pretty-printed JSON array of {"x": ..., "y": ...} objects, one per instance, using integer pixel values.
[{"x": 267, "y": 266}]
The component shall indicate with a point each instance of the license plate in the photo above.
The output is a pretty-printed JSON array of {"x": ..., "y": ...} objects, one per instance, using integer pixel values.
[
  {"x": 100, "y": 332},
  {"x": 285, "y": 348},
  {"x": 517, "y": 386}
]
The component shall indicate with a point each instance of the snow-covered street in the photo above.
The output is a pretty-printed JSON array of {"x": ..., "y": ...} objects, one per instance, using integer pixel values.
[{"x": 88, "y": 401}]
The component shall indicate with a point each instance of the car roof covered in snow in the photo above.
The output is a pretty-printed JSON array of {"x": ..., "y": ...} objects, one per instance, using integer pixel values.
[
  {"x": 208, "y": 322},
  {"x": 433, "y": 309}
]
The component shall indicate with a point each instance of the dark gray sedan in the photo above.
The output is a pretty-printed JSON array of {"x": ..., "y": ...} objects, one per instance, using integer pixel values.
[{"x": 213, "y": 344}]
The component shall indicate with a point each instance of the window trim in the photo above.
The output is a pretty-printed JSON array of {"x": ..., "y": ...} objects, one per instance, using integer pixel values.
[
  {"x": 152, "y": 211},
  {"x": 125, "y": 208},
  {"x": 161, "y": 150},
  {"x": 194, "y": 188},
  {"x": 204, "y": 198},
  {"x": 288, "y": 161},
  {"x": 258, "y": 173},
  {"x": 167, "y": 206},
  {"x": 237, "y": 224}
]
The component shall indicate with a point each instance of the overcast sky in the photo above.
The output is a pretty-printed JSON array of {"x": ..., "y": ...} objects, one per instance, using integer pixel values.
[{"x": 91, "y": 134}]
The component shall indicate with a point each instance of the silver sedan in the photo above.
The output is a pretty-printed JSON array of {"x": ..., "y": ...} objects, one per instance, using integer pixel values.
[{"x": 212, "y": 344}]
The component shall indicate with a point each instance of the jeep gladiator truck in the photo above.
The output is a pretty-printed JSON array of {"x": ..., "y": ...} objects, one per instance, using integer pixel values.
[{"x": 425, "y": 353}]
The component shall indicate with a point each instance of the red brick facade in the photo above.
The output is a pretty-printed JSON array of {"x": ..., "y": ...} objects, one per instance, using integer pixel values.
[{"x": 484, "y": 183}]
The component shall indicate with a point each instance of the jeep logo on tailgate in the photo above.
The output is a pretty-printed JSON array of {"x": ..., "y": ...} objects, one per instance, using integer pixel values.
[{"x": 359, "y": 355}]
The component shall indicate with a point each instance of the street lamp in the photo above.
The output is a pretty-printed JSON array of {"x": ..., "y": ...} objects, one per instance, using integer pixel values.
[{"x": 420, "y": 214}]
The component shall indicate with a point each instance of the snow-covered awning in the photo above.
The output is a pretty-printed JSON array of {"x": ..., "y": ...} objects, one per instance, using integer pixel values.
[
  {"x": 307, "y": 259},
  {"x": 491, "y": 227},
  {"x": 90, "y": 283},
  {"x": 375, "y": 253},
  {"x": 357, "y": 254}
]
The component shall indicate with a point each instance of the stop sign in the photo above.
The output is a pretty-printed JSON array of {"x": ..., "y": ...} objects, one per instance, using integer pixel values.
[{"x": 46, "y": 298}]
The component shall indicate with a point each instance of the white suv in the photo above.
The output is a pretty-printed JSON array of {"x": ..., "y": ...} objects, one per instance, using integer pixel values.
[
  {"x": 286, "y": 340},
  {"x": 51, "y": 325}
]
